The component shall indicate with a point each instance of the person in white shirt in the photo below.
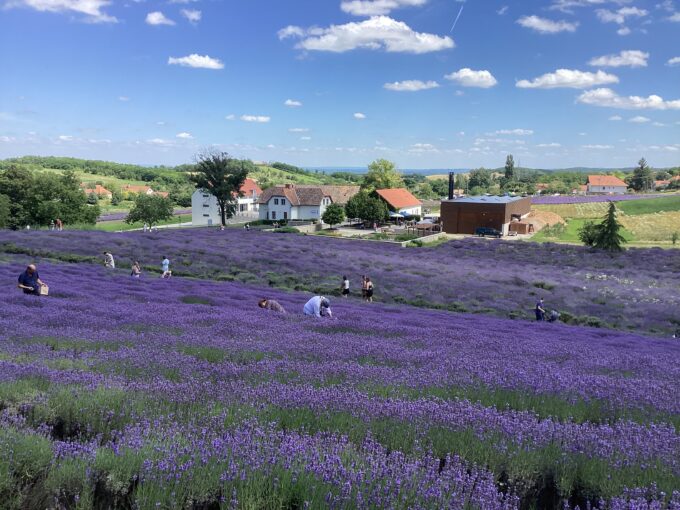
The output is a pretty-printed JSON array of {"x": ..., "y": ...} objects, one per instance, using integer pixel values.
[
  {"x": 318, "y": 306},
  {"x": 108, "y": 261},
  {"x": 344, "y": 287},
  {"x": 165, "y": 266}
]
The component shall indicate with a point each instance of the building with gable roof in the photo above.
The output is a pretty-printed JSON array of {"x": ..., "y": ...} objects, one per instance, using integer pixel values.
[
  {"x": 206, "y": 211},
  {"x": 297, "y": 202},
  {"x": 606, "y": 184}
]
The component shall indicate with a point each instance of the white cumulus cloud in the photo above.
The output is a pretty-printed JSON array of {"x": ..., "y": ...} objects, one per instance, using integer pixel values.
[
  {"x": 196, "y": 61},
  {"x": 292, "y": 103},
  {"x": 615, "y": 118},
  {"x": 620, "y": 16},
  {"x": 547, "y": 26},
  {"x": 609, "y": 99},
  {"x": 675, "y": 61},
  {"x": 377, "y": 7},
  {"x": 261, "y": 119},
  {"x": 568, "y": 78},
  {"x": 158, "y": 18},
  {"x": 597, "y": 147},
  {"x": 376, "y": 33},
  {"x": 628, "y": 58},
  {"x": 92, "y": 9},
  {"x": 639, "y": 120},
  {"x": 298, "y": 130},
  {"x": 515, "y": 132},
  {"x": 411, "y": 85},
  {"x": 193, "y": 15},
  {"x": 359, "y": 116},
  {"x": 467, "y": 77},
  {"x": 552, "y": 145},
  {"x": 184, "y": 136}
]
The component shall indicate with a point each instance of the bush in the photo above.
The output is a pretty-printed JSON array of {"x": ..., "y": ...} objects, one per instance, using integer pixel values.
[{"x": 287, "y": 230}]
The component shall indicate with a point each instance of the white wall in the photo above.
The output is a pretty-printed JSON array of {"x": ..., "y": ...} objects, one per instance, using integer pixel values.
[
  {"x": 206, "y": 211},
  {"x": 411, "y": 211},
  {"x": 607, "y": 189},
  {"x": 280, "y": 209}
]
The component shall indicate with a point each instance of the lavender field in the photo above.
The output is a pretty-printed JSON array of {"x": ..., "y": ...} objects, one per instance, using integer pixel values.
[
  {"x": 124, "y": 393},
  {"x": 589, "y": 199},
  {"x": 638, "y": 290}
]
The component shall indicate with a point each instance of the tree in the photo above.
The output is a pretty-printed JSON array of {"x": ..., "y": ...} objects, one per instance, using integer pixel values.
[
  {"x": 222, "y": 176},
  {"x": 509, "y": 168},
  {"x": 382, "y": 174},
  {"x": 480, "y": 178},
  {"x": 92, "y": 198},
  {"x": 606, "y": 235},
  {"x": 643, "y": 177},
  {"x": 4, "y": 211},
  {"x": 334, "y": 214},
  {"x": 116, "y": 197},
  {"x": 609, "y": 237},
  {"x": 150, "y": 209},
  {"x": 367, "y": 208}
]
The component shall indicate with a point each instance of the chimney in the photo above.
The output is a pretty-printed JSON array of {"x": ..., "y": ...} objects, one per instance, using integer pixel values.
[{"x": 451, "y": 184}]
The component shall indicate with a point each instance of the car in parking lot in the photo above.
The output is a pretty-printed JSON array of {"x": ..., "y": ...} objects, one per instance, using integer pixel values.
[{"x": 487, "y": 231}]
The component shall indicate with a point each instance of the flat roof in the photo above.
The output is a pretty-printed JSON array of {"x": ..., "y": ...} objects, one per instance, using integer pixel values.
[{"x": 486, "y": 200}]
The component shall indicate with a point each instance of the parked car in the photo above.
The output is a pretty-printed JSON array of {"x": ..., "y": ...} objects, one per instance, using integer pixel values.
[{"x": 486, "y": 231}]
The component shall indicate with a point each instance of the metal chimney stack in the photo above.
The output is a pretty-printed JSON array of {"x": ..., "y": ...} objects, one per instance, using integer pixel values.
[{"x": 451, "y": 184}]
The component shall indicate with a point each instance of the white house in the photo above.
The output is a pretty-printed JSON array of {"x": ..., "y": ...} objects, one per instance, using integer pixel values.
[
  {"x": 401, "y": 201},
  {"x": 206, "y": 211},
  {"x": 606, "y": 184},
  {"x": 293, "y": 202}
]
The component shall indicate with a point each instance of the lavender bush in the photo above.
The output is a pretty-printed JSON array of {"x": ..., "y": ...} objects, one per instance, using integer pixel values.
[
  {"x": 638, "y": 290},
  {"x": 182, "y": 393},
  {"x": 587, "y": 199}
]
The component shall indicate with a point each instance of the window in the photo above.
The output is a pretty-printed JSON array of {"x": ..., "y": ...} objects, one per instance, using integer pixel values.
[
  {"x": 206, "y": 196},
  {"x": 273, "y": 215},
  {"x": 283, "y": 201},
  {"x": 206, "y": 216},
  {"x": 276, "y": 201},
  {"x": 285, "y": 215},
  {"x": 206, "y": 205}
]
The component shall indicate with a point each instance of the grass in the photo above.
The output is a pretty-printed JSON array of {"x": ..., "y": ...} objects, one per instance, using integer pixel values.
[
  {"x": 570, "y": 233},
  {"x": 115, "y": 226}
]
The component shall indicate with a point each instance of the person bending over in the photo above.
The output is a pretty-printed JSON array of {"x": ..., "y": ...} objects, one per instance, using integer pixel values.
[
  {"x": 270, "y": 304},
  {"x": 30, "y": 282},
  {"x": 318, "y": 306}
]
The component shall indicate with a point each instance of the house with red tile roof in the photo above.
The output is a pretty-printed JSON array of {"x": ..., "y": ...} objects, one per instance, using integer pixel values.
[
  {"x": 606, "y": 184},
  {"x": 137, "y": 190},
  {"x": 401, "y": 201},
  {"x": 206, "y": 211},
  {"x": 98, "y": 190}
]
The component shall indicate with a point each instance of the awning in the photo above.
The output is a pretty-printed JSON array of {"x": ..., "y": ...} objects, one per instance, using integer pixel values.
[{"x": 395, "y": 215}]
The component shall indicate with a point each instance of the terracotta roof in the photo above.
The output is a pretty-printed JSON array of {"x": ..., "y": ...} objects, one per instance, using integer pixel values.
[
  {"x": 399, "y": 198},
  {"x": 310, "y": 195},
  {"x": 163, "y": 194},
  {"x": 340, "y": 194},
  {"x": 97, "y": 190},
  {"x": 137, "y": 189},
  {"x": 676, "y": 178},
  {"x": 605, "y": 180},
  {"x": 250, "y": 186}
]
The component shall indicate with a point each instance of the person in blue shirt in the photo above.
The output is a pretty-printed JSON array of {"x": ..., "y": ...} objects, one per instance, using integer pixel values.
[
  {"x": 165, "y": 266},
  {"x": 30, "y": 282},
  {"x": 540, "y": 310}
]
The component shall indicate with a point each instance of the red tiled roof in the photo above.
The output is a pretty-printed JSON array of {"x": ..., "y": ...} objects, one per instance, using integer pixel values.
[
  {"x": 250, "y": 186},
  {"x": 136, "y": 189},
  {"x": 97, "y": 190},
  {"x": 399, "y": 198},
  {"x": 605, "y": 180},
  {"x": 163, "y": 194}
]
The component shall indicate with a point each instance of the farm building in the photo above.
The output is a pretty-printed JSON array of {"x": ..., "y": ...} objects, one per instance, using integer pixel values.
[
  {"x": 206, "y": 211},
  {"x": 401, "y": 201},
  {"x": 606, "y": 184},
  {"x": 294, "y": 202},
  {"x": 98, "y": 190},
  {"x": 465, "y": 215},
  {"x": 137, "y": 190}
]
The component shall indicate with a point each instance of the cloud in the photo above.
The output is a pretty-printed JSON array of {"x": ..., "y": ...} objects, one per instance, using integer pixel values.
[
  {"x": 376, "y": 7},
  {"x": 568, "y": 78},
  {"x": 376, "y": 33},
  {"x": 466, "y": 77},
  {"x": 411, "y": 85},
  {"x": 193, "y": 15},
  {"x": 502, "y": 10},
  {"x": 629, "y": 58},
  {"x": 624, "y": 31},
  {"x": 291, "y": 103},
  {"x": 65, "y": 138},
  {"x": 546, "y": 26},
  {"x": 92, "y": 9},
  {"x": 123, "y": 99},
  {"x": 298, "y": 130},
  {"x": 514, "y": 132},
  {"x": 7, "y": 139},
  {"x": 598, "y": 147},
  {"x": 607, "y": 98},
  {"x": 158, "y": 18},
  {"x": 639, "y": 120},
  {"x": 619, "y": 17},
  {"x": 675, "y": 61},
  {"x": 184, "y": 136},
  {"x": 422, "y": 147},
  {"x": 615, "y": 118},
  {"x": 305, "y": 138},
  {"x": 261, "y": 119},
  {"x": 196, "y": 61},
  {"x": 231, "y": 116},
  {"x": 675, "y": 17},
  {"x": 553, "y": 145},
  {"x": 359, "y": 116}
]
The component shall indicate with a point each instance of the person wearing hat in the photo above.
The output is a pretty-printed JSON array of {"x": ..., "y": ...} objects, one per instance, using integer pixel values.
[
  {"x": 30, "y": 282},
  {"x": 318, "y": 306}
]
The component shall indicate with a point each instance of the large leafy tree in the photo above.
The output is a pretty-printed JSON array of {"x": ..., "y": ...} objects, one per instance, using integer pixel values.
[
  {"x": 382, "y": 174},
  {"x": 222, "y": 176},
  {"x": 480, "y": 178},
  {"x": 643, "y": 177},
  {"x": 150, "y": 209},
  {"x": 366, "y": 208},
  {"x": 334, "y": 214}
]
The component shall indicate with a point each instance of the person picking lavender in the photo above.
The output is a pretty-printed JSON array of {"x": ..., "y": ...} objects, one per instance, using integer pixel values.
[
  {"x": 30, "y": 281},
  {"x": 318, "y": 306}
]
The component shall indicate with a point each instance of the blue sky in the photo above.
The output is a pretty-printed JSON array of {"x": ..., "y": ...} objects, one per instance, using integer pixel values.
[{"x": 556, "y": 83}]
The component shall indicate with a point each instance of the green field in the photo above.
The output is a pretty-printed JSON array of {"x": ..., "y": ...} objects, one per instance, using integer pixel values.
[{"x": 648, "y": 222}]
